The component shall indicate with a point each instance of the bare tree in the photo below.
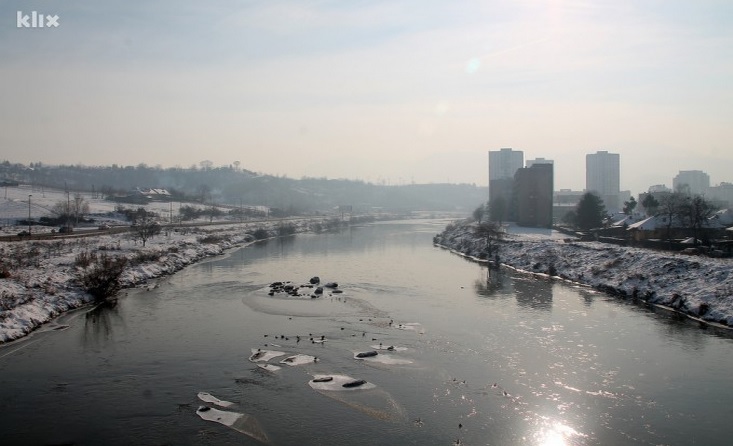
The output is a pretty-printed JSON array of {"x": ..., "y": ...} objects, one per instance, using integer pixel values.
[
  {"x": 102, "y": 278},
  {"x": 489, "y": 231},
  {"x": 650, "y": 204},
  {"x": 695, "y": 213},
  {"x": 145, "y": 225},
  {"x": 498, "y": 209},
  {"x": 629, "y": 206},
  {"x": 671, "y": 206},
  {"x": 204, "y": 191},
  {"x": 478, "y": 213},
  {"x": 72, "y": 210}
]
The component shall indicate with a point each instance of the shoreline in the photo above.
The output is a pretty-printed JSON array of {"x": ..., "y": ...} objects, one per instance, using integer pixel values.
[
  {"x": 640, "y": 302},
  {"x": 699, "y": 288},
  {"x": 43, "y": 286}
]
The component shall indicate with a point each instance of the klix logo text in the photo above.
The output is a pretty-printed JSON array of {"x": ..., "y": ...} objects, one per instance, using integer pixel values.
[{"x": 36, "y": 20}]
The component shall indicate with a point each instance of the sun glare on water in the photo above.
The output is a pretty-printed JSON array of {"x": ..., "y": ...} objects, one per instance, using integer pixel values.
[{"x": 556, "y": 434}]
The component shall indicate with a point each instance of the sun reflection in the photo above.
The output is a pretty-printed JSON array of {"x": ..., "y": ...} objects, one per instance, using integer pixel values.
[{"x": 556, "y": 434}]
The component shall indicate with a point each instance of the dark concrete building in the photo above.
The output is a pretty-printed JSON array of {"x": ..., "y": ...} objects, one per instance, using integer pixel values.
[
  {"x": 533, "y": 190},
  {"x": 503, "y": 164}
]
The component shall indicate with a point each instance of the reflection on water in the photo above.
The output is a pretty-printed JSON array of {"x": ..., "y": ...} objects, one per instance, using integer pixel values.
[
  {"x": 484, "y": 357},
  {"x": 534, "y": 293},
  {"x": 494, "y": 284},
  {"x": 100, "y": 322},
  {"x": 530, "y": 292}
]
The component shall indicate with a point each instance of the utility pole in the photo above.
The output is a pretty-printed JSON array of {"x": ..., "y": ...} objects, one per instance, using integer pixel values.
[{"x": 29, "y": 214}]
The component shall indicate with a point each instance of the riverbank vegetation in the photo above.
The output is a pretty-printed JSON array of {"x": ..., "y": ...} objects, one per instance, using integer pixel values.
[{"x": 700, "y": 287}]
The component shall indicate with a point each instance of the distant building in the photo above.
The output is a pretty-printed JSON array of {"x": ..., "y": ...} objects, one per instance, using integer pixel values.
[
  {"x": 623, "y": 197},
  {"x": 697, "y": 181},
  {"x": 659, "y": 188},
  {"x": 721, "y": 195},
  {"x": 533, "y": 189},
  {"x": 154, "y": 194},
  {"x": 142, "y": 196},
  {"x": 503, "y": 164},
  {"x": 564, "y": 201},
  {"x": 531, "y": 163},
  {"x": 602, "y": 176}
]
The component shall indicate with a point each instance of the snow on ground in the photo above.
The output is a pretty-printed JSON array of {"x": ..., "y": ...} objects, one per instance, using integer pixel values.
[
  {"x": 700, "y": 287},
  {"x": 14, "y": 206},
  {"x": 38, "y": 279}
]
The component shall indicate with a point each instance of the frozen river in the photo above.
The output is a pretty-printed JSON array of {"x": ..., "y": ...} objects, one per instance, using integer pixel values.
[{"x": 484, "y": 359}]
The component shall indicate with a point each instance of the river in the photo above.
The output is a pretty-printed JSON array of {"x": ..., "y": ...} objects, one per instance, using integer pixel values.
[{"x": 479, "y": 357}]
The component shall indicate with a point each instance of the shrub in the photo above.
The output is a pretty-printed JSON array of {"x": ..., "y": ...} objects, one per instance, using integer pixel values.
[
  {"x": 260, "y": 234},
  {"x": 102, "y": 278},
  {"x": 283, "y": 230},
  {"x": 145, "y": 257},
  {"x": 211, "y": 239},
  {"x": 84, "y": 259},
  {"x": 4, "y": 271}
]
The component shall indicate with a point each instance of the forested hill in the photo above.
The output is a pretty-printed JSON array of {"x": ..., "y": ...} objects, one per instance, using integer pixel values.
[{"x": 233, "y": 185}]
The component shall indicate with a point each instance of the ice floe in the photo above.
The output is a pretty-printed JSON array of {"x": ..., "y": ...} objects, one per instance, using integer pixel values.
[
  {"x": 259, "y": 355},
  {"x": 209, "y": 398},
  {"x": 299, "y": 360}
]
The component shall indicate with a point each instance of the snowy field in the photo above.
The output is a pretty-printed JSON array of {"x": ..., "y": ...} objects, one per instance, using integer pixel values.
[
  {"x": 14, "y": 207},
  {"x": 39, "y": 278},
  {"x": 700, "y": 287}
]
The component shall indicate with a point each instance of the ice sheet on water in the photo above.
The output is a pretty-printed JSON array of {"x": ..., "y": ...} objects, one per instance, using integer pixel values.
[
  {"x": 269, "y": 367},
  {"x": 364, "y": 397},
  {"x": 416, "y": 326},
  {"x": 298, "y": 360},
  {"x": 259, "y": 355},
  {"x": 209, "y": 398},
  {"x": 386, "y": 359},
  {"x": 390, "y": 348},
  {"x": 337, "y": 383},
  {"x": 240, "y": 422}
]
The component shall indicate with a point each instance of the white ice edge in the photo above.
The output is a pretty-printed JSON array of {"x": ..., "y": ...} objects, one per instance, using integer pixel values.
[
  {"x": 390, "y": 348},
  {"x": 298, "y": 360},
  {"x": 259, "y": 355},
  {"x": 336, "y": 384},
  {"x": 209, "y": 398},
  {"x": 381, "y": 358},
  {"x": 269, "y": 367},
  {"x": 219, "y": 416}
]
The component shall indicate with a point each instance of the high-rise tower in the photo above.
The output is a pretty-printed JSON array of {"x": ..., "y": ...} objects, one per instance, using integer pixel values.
[
  {"x": 503, "y": 164},
  {"x": 602, "y": 176}
]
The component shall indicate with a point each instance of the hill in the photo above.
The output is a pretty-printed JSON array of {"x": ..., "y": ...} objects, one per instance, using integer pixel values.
[{"x": 234, "y": 186}]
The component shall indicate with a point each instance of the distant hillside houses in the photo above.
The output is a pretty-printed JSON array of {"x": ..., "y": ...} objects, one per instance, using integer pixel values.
[
  {"x": 142, "y": 195},
  {"x": 658, "y": 226}
]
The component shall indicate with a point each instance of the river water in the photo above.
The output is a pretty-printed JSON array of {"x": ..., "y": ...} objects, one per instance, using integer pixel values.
[{"x": 480, "y": 358}]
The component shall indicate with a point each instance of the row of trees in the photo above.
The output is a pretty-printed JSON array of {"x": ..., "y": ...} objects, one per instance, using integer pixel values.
[
  {"x": 679, "y": 209},
  {"x": 690, "y": 211}
]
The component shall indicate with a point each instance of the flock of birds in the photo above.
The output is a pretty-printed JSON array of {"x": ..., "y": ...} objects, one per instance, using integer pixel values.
[{"x": 316, "y": 290}]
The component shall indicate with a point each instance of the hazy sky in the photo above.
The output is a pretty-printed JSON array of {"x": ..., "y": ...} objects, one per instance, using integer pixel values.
[{"x": 393, "y": 91}]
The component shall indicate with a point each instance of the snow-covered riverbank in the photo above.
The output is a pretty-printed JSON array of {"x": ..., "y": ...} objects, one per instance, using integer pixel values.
[
  {"x": 701, "y": 287},
  {"x": 39, "y": 279}
]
